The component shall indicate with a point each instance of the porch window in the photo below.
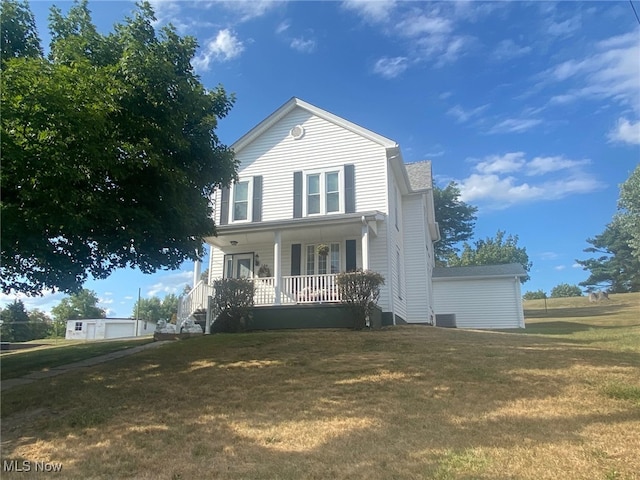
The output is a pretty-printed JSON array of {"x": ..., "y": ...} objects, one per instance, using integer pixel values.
[
  {"x": 241, "y": 201},
  {"x": 323, "y": 264}
]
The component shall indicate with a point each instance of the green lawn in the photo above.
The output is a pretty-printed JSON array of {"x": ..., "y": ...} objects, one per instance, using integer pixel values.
[
  {"x": 560, "y": 400},
  {"x": 16, "y": 363}
]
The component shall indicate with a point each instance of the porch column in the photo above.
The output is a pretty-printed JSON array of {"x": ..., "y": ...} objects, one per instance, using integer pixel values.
[
  {"x": 197, "y": 266},
  {"x": 277, "y": 268},
  {"x": 365, "y": 244}
]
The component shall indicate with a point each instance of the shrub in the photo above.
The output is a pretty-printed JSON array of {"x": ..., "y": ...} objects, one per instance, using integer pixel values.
[
  {"x": 231, "y": 302},
  {"x": 360, "y": 290},
  {"x": 537, "y": 295},
  {"x": 566, "y": 290}
]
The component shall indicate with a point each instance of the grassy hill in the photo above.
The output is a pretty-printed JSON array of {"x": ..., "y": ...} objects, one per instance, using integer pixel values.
[{"x": 558, "y": 400}]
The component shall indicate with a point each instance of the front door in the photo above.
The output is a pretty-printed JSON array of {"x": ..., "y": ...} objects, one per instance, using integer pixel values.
[{"x": 239, "y": 265}]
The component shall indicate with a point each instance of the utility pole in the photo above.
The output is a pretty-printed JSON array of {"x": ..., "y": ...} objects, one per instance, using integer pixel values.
[{"x": 137, "y": 312}]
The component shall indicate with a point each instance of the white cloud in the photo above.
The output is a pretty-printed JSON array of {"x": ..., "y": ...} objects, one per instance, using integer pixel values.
[
  {"x": 548, "y": 255},
  {"x": 283, "y": 27},
  {"x": 576, "y": 265},
  {"x": 226, "y": 46},
  {"x": 419, "y": 25},
  {"x": 462, "y": 115},
  {"x": 507, "y": 163},
  {"x": 373, "y": 11},
  {"x": 508, "y": 49},
  {"x": 498, "y": 180},
  {"x": 609, "y": 73},
  {"x": 626, "y": 132},
  {"x": 515, "y": 125},
  {"x": 171, "y": 283},
  {"x": 390, "y": 67},
  {"x": 542, "y": 165},
  {"x": 559, "y": 267},
  {"x": 303, "y": 45},
  {"x": 563, "y": 29},
  {"x": 249, "y": 9}
]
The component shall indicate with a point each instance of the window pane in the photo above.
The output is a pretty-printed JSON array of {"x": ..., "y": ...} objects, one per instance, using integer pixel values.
[
  {"x": 322, "y": 264},
  {"x": 332, "y": 182},
  {"x": 313, "y": 184},
  {"x": 241, "y": 191},
  {"x": 313, "y": 203},
  {"x": 311, "y": 255},
  {"x": 333, "y": 202},
  {"x": 240, "y": 211},
  {"x": 335, "y": 258}
]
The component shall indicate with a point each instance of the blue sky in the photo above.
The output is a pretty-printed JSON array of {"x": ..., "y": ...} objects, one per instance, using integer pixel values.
[{"x": 533, "y": 108}]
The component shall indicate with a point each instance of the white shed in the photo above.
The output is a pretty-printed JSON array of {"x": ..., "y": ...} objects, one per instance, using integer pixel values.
[
  {"x": 107, "y": 328},
  {"x": 486, "y": 296}
]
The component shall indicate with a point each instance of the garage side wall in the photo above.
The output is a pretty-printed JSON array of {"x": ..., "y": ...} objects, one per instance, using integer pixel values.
[{"x": 481, "y": 302}]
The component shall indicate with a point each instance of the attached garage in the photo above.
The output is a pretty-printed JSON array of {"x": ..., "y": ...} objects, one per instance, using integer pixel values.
[{"x": 486, "y": 296}]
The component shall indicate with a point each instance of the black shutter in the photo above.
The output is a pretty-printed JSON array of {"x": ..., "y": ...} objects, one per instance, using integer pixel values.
[
  {"x": 257, "y": 199},
  {"x": 351, "y": 255},
  {"x": 224, "y": 206},
  {"x": 349, "y": 189},
  {"x": 296, "y": 258},
  {"x": 297, "y": 194}
]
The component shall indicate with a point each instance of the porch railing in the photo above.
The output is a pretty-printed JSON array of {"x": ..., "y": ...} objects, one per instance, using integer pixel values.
[
  {"x": 193, "y": 301},
  {"x": 294, "y": 289}
]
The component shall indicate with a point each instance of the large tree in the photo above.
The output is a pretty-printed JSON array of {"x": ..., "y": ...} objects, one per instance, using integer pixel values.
[
  {"x": 455, "y": 218},
  {"x": 155, "y": 309},
  {"x": 109, "y": 151},
  {"x": 615, "y": 267},
  {"x": 77, "y": 306},
  {"x": 19, "y": 325},
  {"x": 496, "y": 250},
  {"x": 629, "y": 214}
]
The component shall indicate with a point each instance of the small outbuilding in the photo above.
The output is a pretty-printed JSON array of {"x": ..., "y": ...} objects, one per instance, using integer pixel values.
[
  {"x": 486, "y": 296},
  {"x": 107, "y": 328}
]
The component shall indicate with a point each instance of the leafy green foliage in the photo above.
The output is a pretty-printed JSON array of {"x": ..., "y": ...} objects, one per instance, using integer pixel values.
[
  {"x": 616, "y": 269},
  {"x": 493, "y": 251},
  {"x": 535, "y": 295},
  {"x": 77, "y": 306},
  {"x": 109, "y": 151},
  {"x": 19, "y": 34},
  {"x": 360, "y": 290},
  {"x": 629, "y": 217},
  {"x": 18, "y": 325},
  {"x": 232, "y": 303},
  {"x": 155, "y": 309},
  {"x": 564, "y": 290},
  {"x": 455, "y": 218}
]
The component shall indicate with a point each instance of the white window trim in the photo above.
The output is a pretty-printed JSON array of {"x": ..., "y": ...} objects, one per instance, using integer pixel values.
[
  {"x": 232, "y": 201},
  {"x": 323, "y": 190},
  {"x": 316, "y": 257}
]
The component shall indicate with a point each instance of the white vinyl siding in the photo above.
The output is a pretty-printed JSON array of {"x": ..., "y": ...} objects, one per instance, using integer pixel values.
[
  {"x": 275, "y": 155},
  {"x": 417, "y": 272},
  {"x": 480, "y": 302}
]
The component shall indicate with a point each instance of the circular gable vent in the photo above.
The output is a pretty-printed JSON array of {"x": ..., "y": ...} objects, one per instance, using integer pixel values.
[{"x": 297, "y": 132}]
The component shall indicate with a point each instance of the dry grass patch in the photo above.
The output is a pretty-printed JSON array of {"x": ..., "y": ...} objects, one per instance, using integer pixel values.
[{"x": 405, "y": 403}]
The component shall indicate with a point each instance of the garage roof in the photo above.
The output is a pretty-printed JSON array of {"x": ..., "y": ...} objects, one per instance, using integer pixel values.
[{"x": 476, "y": 271}]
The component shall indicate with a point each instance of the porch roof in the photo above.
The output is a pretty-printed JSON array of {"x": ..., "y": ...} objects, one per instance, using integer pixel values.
[{"x": 255, "y": 232}]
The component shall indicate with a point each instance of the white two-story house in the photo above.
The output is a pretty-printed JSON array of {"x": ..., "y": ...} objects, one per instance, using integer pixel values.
[{"x": 307, "y": 178}]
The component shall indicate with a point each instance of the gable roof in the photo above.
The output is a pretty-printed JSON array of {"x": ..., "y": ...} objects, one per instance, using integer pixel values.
[
  {"x": 478, "y": 271},
  {"x": 295, "y": 102},
  {"x": 419, "y": 175}
]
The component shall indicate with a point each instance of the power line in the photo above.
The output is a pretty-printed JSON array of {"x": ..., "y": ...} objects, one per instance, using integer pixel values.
[{"x": 634, "y": 11}]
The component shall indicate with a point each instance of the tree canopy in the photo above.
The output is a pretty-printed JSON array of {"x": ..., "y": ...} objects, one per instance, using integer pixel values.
[
  {"x": 617, "y": 266},
  {"x": 498, "y": 250},
  {"x": 77, "y": 306},
  {"x": 20, "y": 325},
  {"x": 155, "y": 309},
  {"x": 109, "y": 149},
  {"x": 455, "y": 218},
  {"x": 564, "y": 290}
]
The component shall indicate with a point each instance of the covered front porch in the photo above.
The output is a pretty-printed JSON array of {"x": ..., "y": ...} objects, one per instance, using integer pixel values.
[{"x": 283, "y": 261}]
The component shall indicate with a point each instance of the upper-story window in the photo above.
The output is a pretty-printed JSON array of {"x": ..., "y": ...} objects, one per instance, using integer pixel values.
[
  {"x": 323, "y": 192},
  {"x": 241, "y": 201}
]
